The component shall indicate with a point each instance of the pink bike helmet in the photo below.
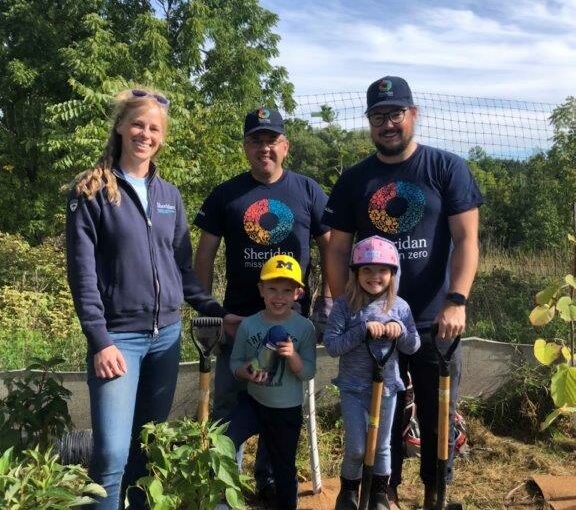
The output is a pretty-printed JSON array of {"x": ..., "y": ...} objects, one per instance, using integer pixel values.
[{"x": 374, "y": 250}]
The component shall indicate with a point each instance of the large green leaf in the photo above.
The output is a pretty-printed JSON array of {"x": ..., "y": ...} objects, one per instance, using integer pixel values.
[
  {"x": 566, "y": 354},
  {"x": 570, "y": 280},
  {"x": 566, "y": 309},
  {"x": 542, "y": 315},
  {"x": 554, "y": 414},
  {"x": 546, "y": 352},
  {"x": 563, "y": 386},
  {"x": 544, "y": 297}
]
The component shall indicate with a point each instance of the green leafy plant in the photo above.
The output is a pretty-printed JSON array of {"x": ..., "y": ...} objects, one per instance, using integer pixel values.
[
  {"x": 558, "y": 302},
  {"x": 38, "y": 482},
  {"x": 35, "y": 411},
  {"x": 192, "y": 465}
]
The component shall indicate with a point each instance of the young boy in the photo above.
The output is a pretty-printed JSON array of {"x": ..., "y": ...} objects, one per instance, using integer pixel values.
[{"x": 275, "y": 351}]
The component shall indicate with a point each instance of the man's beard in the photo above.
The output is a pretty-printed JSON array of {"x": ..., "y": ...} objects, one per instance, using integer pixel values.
[{"x": 395, "y": 150}]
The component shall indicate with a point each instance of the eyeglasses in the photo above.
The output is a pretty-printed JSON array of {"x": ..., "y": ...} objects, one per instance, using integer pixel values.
[
  {"x": 164, "y": 101},
  {"x": 257, "y": 143},
  {"x": 396, "y": 117}
]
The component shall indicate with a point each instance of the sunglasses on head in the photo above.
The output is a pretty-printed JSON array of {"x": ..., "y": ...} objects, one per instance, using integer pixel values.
[{"x": 164, "y": 101}]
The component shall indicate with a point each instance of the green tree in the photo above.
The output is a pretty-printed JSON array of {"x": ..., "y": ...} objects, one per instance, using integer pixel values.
[{"x": 61, "y": 62}]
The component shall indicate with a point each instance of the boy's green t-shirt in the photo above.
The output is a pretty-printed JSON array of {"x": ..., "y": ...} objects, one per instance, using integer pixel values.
[{"x": 283, "y": 388}]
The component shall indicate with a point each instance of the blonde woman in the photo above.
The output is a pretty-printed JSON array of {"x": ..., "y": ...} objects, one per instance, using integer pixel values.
[{"x": 129, "y": 270}]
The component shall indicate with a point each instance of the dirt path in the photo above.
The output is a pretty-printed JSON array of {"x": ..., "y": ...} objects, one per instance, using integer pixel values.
[{"x": 494, "y": 467}]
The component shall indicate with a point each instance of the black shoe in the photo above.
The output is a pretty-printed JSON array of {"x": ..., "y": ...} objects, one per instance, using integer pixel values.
[
  {"x": 267, "y": 492},
  {"x": 379, "y": 501},
  {"x": 348, "y": 496},
  {"x": 429, "y": 497}
]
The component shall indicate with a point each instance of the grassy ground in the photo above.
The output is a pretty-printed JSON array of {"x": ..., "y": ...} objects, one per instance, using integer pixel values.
[{"x": 494, "y": 466}]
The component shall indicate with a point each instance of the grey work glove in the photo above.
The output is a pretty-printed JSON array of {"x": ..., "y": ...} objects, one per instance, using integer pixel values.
[{"x": 319, "y": 316}]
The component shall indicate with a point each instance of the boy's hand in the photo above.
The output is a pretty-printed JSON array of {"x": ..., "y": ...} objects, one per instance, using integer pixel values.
[
  {"x": 285, "y": 349},
  {"x": 251, "y": 372}
]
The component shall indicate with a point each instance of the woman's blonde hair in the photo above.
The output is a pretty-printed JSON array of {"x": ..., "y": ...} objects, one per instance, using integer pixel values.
[
  {"x": 358, "y": 298},
  {"x": 89, "y": 182}
]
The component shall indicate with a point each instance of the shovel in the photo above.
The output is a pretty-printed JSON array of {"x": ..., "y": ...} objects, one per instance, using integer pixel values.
[
  {"x": 206, "y": 335},
  {"x": 374, "y": 422},
  {"x": 443, "y": 422}
]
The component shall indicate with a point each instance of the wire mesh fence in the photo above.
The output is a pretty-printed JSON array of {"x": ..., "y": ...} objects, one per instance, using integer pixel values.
[{"x": 504, "y": 128}]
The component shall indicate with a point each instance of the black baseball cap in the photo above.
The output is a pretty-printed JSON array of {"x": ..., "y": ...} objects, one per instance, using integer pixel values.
[
  {"x": 263, "y": 119},
  {"x": 389, "y": 91}
]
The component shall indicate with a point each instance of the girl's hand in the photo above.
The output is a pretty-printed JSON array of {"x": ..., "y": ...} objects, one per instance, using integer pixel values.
[
  {"x": 285, "y": 349},
  {"x": 376, "y": 329},
  {"x": 109, "y": 363},
  {"x": 392, "y": 330}
]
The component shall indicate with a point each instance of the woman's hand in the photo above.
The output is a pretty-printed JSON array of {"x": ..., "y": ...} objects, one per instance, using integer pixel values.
[{"x": 109, "y": 363}]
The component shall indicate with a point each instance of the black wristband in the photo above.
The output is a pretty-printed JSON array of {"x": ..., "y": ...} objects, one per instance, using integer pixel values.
[{"x": 457, "y": 298}]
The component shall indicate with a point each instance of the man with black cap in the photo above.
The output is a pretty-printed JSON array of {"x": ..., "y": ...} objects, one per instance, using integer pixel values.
[
  {"x": 426, "y": 201},
  {"x": 264, "y": 212}
]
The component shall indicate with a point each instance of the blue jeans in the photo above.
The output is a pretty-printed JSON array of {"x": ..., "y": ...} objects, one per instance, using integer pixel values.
[
  {"x": 226, "y": 391},
  {"x": 355, "y": 414},
  {"x": 120, "y": 406}
]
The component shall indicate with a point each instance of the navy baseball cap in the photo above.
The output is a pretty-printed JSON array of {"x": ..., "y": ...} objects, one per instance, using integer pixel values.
[
  {"x": 389, "y": 91},
  {"x": 263, "y": 119}
]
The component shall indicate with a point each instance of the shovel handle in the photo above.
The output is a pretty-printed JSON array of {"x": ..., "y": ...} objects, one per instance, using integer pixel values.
[{"x": 444, "y": 359}]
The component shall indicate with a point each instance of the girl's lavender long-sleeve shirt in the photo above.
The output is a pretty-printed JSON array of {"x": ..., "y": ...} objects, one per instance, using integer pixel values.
[{"x": 345, "y": 337}]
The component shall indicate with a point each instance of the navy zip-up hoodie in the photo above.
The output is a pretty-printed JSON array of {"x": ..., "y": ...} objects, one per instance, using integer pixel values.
[{"x": 128, "y": 271}]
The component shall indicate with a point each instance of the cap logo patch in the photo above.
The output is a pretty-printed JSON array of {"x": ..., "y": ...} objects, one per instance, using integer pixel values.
[
  {"x": 283, "y": 264},
  {"x": 385, "y": 86},
  {"x": 263, "y": 113}
]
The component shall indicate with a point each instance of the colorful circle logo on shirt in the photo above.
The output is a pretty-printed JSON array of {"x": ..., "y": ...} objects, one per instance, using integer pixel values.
[
  {"x": 268, "y": 221},
  {"x": 397, "y": 207}
]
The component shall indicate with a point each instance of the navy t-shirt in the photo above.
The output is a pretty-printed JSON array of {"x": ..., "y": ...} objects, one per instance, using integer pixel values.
[
  {"x": 408, "y": 203},
  {"x": 258, "y": 221}
]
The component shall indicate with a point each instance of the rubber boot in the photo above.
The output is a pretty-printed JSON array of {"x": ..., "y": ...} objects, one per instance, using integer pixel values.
[
  {"x": 379, "y": 493},
  {"x": 429, "y": 497},
  {"x": 348, "y": 497}
]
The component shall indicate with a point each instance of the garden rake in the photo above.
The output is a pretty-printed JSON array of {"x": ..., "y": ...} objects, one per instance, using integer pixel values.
[{"x": 207, "y": 333}]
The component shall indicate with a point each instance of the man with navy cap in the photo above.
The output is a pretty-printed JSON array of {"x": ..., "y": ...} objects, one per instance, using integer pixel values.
[
  {"x": 426, "y": 201},
  {"x": 266, "y": 211}
]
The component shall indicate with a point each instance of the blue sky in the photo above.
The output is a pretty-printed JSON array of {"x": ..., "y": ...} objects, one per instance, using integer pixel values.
[{"x": 522, "y": 49}]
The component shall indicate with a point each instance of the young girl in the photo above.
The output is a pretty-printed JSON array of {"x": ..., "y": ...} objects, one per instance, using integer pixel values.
[{"x": 369, "y": 307}]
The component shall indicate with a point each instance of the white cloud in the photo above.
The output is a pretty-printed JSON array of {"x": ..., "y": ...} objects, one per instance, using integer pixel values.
[{"x": 522, "y": 50}]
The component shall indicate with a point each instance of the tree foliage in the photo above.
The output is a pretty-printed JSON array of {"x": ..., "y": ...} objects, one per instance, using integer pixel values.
[{"x": 61, "y": 63}]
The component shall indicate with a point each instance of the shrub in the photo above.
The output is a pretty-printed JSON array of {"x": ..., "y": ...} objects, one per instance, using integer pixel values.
[
  {"x": 39, "y": 482},
  {"x": 192, "y": 465},
  {"x": 35, "y": 411}
]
